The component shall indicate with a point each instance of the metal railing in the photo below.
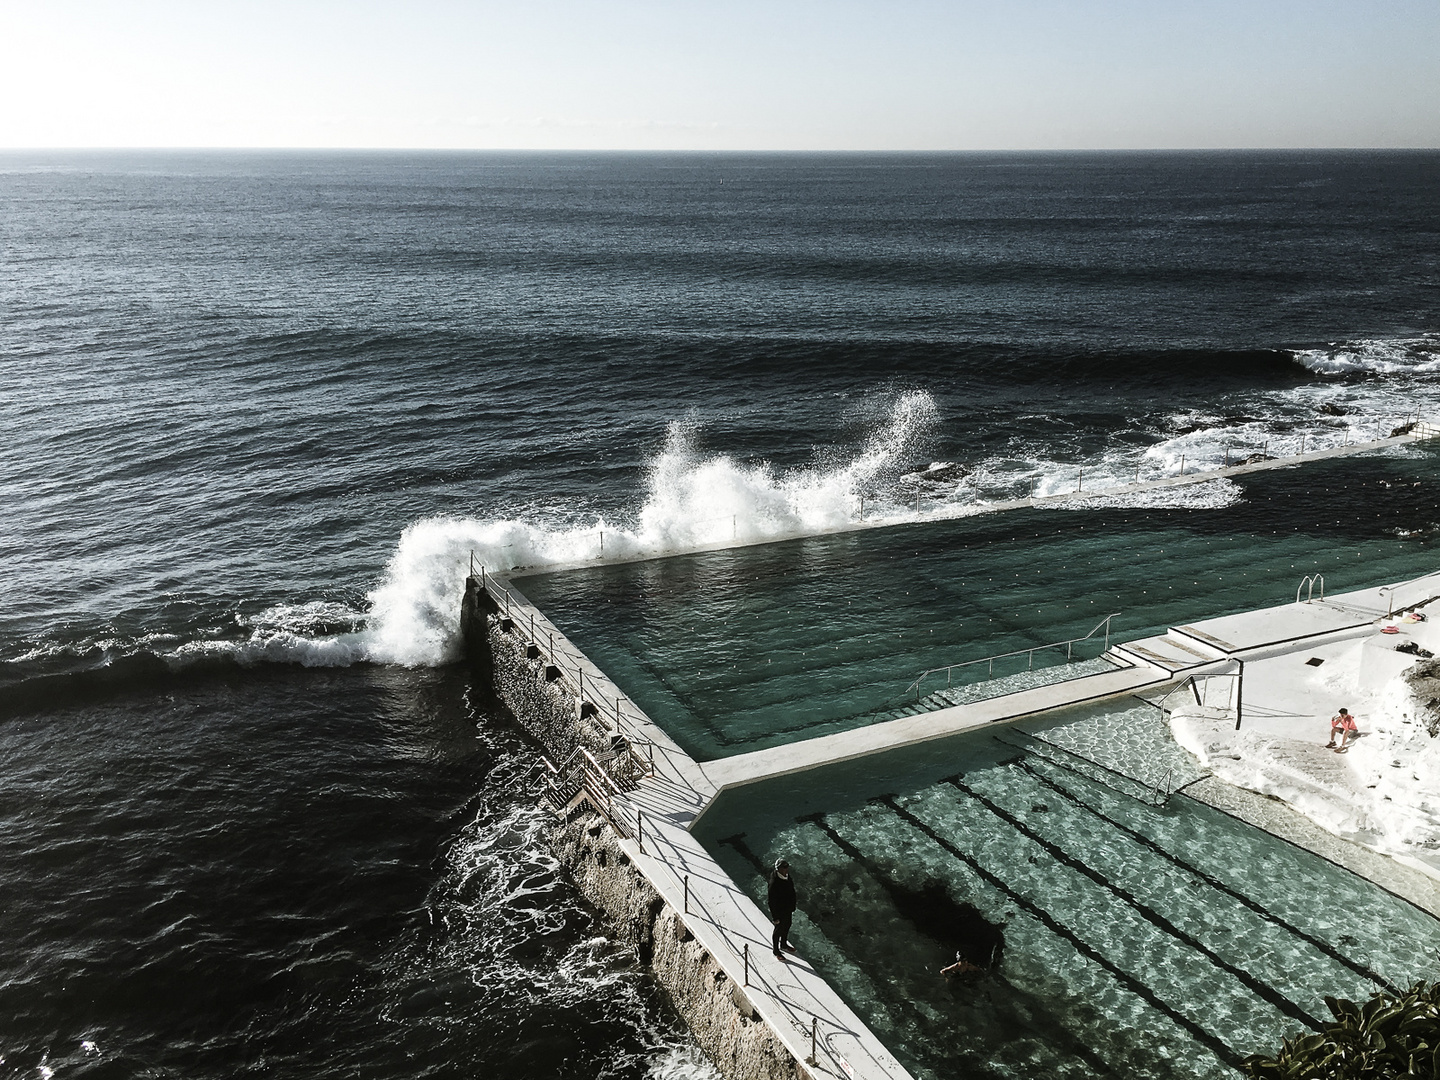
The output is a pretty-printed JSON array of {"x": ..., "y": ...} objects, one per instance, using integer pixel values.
[
  {"x": 582, "y": 777},
  {"x": 1390, "y": 590},
  {"x": 1068, "y": 645},
  {"x": 568, "y": 668},
  {"x": 1308, "y": 583},
  {"x": 1194, "y": 689}
]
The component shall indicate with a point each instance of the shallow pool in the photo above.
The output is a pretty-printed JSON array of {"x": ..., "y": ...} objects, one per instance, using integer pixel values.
[
  {"x": 1143, "y": 936},
  {"x": 736, "y": 650}
]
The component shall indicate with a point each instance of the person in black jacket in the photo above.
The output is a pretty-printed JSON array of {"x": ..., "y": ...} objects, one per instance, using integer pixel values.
[{"x": 781, "y": 899}]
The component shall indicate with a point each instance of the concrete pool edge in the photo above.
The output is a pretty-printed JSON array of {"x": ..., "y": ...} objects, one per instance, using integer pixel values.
[{"x": 652, "y": 824}]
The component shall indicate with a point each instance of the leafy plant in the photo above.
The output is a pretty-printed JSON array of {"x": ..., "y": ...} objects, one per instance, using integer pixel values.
[{"x": 1388, "y": 1037}]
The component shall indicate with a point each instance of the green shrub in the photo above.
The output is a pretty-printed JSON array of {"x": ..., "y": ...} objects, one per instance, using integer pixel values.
[{"x": 1387, "y": 1037}]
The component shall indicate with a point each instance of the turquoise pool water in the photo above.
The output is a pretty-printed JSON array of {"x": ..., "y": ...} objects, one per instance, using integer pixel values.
[
  {"x": 736, "y": 650},
  {"x": 1140, "y": 940}
]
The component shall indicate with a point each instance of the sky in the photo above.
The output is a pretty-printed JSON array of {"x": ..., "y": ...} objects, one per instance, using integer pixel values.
[{"x": 683, "y": 75}]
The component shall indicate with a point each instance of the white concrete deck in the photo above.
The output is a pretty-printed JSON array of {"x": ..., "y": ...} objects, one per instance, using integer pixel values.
[{"x": 928, "y": 726}]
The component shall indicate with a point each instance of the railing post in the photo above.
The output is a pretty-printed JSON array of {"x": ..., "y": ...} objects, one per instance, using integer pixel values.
[
  {"x": 687, "y": 894},
  {"x": 747, "y": 963},
  {"x": 1182, "y": 464},
  {"x": 640, "y": 831},
  {"x": 1302, "y": 444},
  {"x": 1080, "y": 483},
  {"x": 1239, "y": 692},
  {"x": 814, "y": 1031}
]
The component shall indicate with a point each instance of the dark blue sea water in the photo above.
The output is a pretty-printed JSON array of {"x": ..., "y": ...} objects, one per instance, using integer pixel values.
[{"x": 259, "y": 410}]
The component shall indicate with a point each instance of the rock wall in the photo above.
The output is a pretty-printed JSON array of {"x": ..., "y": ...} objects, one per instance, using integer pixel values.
[{"x": 716, "y": 1009}]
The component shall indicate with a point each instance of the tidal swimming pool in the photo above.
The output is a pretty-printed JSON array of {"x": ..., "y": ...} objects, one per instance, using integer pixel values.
[
  {"x": 1139, "y": 939},
  {"x": 738, "y": 650}
]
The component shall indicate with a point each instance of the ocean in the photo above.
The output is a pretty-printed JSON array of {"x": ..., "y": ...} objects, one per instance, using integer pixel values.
[{"x": 261, "y": 409}]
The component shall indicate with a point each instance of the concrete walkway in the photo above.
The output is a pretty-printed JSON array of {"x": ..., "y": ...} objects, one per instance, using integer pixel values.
[{"x": 928, "y": 726}]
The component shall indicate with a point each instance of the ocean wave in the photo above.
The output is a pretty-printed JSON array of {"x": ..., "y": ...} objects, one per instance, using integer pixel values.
[
  {"x": 692, "y": 501},
  {"x": 1375, "y": 356}
]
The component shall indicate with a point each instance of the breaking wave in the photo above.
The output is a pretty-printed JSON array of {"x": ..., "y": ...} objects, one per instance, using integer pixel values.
[{"x": 1375, "y": 356}]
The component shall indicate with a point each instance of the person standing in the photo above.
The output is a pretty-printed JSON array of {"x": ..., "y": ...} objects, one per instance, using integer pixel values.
[{"x": 781, "y": 899}]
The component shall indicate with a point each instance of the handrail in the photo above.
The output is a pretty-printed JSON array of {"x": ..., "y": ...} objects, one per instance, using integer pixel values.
[
  {"x": 573, "y": 672},
  {"x": 1308, "y": 583},
  {"x": 1068, "y": 643},
  {"x": 1389, "y": 590},
  {"x": 1189, "y": 681}
]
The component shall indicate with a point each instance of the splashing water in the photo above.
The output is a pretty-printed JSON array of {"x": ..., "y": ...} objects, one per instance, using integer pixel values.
[{"x": 692, "y": 501}]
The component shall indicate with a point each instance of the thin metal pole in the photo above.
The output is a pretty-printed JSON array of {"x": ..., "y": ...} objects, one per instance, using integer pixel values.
[
  {"x": 1080, "y": 483},
  {"x": 1239, "y": 692},
  {"x": 687, "y": 894},
  {"x": 640, "y": 831},
  {"x": 602, "y": 543},
  {"x": 532, "y": 626},
  {"x": 814, "y": 1031},
  {"x": 1302, "y": 444},
  {"x": 917, "y": 500},
  {"x": 747, "y": 963},
  {"x": 1137, "y": 473},
  {"x": 1182, "y": 464}
]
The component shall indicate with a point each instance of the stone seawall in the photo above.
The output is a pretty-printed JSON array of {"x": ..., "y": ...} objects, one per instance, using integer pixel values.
[
  {"x": 716, "y": 1009},
  {"x": 711, "y": 1003}
]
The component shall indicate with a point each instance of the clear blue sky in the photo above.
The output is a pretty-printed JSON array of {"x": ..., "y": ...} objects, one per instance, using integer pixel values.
[{"x": 724, "y": 76}]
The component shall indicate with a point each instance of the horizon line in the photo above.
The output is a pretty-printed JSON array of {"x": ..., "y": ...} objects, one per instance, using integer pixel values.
[{"x": 192, "y": 148}]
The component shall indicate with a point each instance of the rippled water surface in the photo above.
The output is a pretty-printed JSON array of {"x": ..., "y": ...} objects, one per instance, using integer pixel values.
[{"x": 260, "y": 411}]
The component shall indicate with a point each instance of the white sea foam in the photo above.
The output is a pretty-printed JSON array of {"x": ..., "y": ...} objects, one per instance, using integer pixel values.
[
  {"x": 692, "y": 501},
  {"x": 1375, "y": 356}
]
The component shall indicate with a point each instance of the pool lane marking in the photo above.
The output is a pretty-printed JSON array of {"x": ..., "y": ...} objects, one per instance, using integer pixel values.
[
  {"x": 890, "y": 886},
  {"x": 738, "y": 844},
  {"x": 1216, "y": 1045},
  {"x": 1319, "y": 943},
  {"x": 1256, "y": 986},
  {"x": 1036, "y": 741}
]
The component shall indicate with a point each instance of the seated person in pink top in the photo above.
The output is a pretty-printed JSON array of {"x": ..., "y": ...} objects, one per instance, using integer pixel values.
[{"x": 1344, "y": 723}]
